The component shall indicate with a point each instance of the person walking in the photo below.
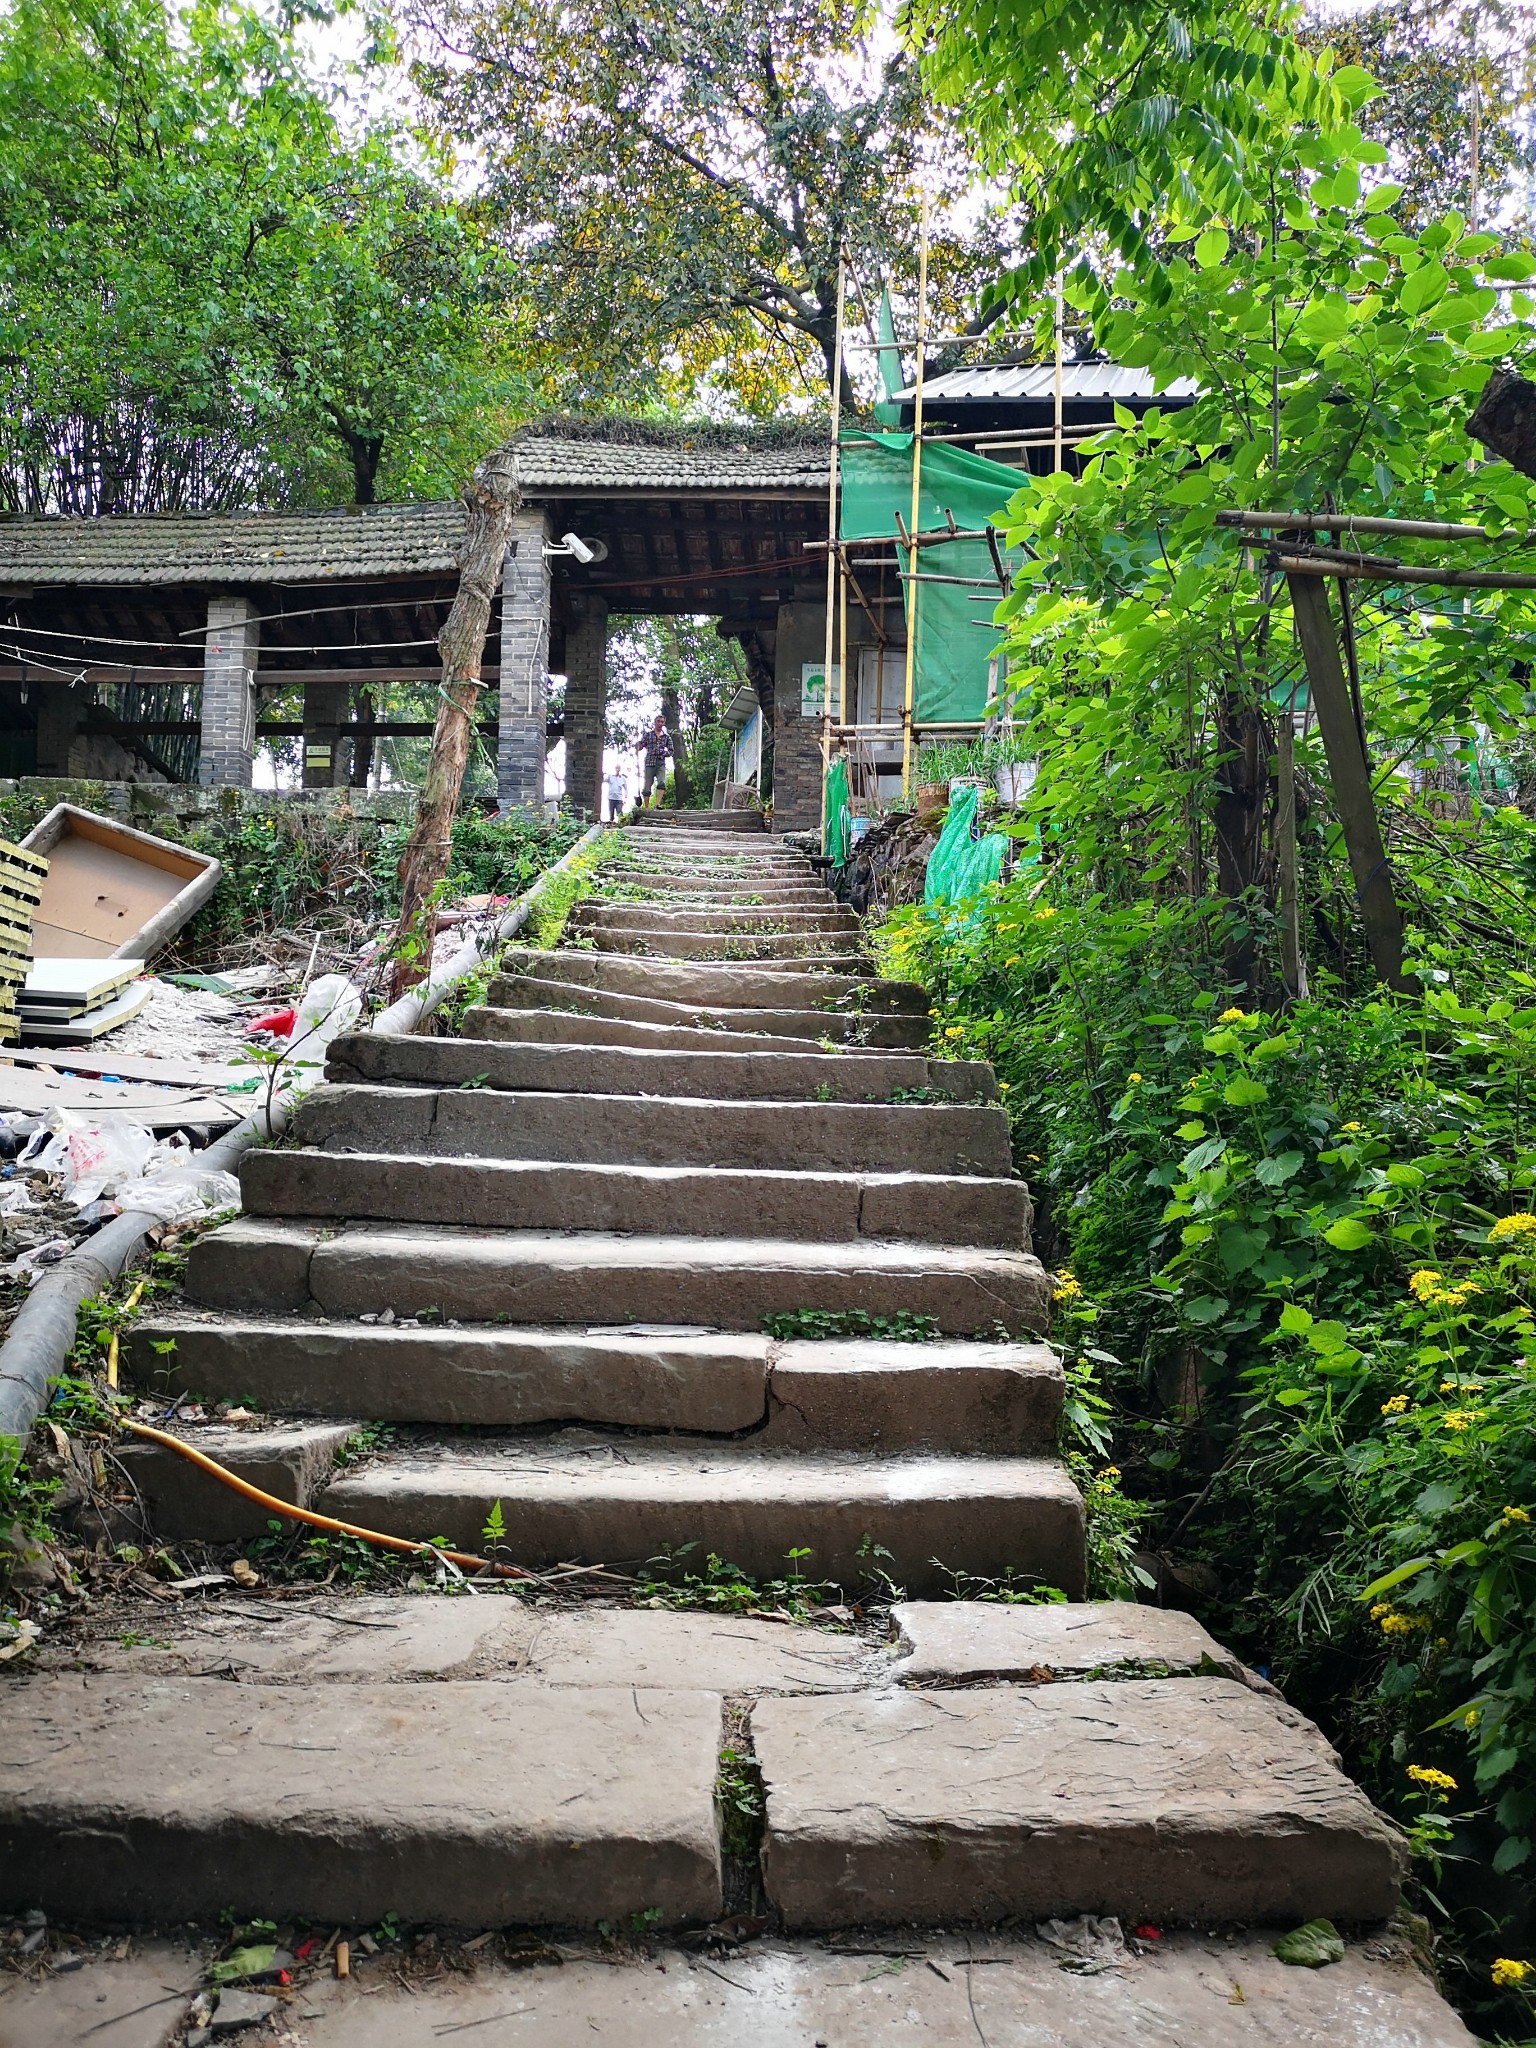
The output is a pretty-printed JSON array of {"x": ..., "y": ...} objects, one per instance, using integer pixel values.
[
  {"x": 657, "y": 749},
  {"x": 618, "y": 795}
]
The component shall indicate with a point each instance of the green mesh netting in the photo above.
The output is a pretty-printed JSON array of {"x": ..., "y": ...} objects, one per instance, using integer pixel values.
[
  {"x": 960, "y": 867},
  {"x": 952, "y": 634},
  {"x": 834, "y": 825}
]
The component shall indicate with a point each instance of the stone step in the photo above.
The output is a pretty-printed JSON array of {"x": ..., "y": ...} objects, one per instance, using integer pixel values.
[
  {"x": 778, "y": 1076},
  {"x": 650, "y": 1130},
  {"x": 536, "y": 992},
  {"x": 267, "y": 1265},
  {"x": 728, "y": 888},
  {"x": 974, "y": 1642},
  {"x": 595, "y": 914},
  {"x": 823, "y": 952},
  {"x": 686, "y": 1201},
  {"x": 568, "y": 1026},
  {"x": 631, "y": 1500},
  {"x": 183, "y": 1503},
  {"x": 1187, "y": 1799},
  {"x": 698, "y": 821},
  {"x": 859, "y": 1394},
  {"x": 454, "y": 1802},
  {"x": 736, "y": 987}
]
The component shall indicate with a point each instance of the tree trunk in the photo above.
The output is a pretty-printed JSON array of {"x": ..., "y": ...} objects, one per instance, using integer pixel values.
[
  {"x": 365, "y": 450},
  {"x": 490, "y": 503},
  {"x": 672, "y": 718},
  {"x": 1242, "y": 746}
]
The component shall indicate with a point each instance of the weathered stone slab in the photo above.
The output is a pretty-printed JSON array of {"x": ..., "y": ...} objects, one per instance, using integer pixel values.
[
  {"x": 535, "y": 1026},
  {"x": 991, "y": 1400},
  {"x": 132, "y": 2003},
  {"x": 289, "y": 1460},
  {"x": 737, "y": 987},
  {"x": 732, "y": 1654},
  {"x": 625, "y": 1503},
  {"x": 535, "y": 992},
  {"x": 1192, "y": 1992},
  {"x": 485, "y": 1377},
  {"x": 971, "y": 1642},
  {"x": 1177, "y": 1799},
  {"x": 642, "y": 1130},
  {"x": 721, "y": 1283},
  {"x": 261, "y": 1266},
  {"x": 595, "y": 914},
  {"x": 452, "y": 1802},
  {"x": 690, "y": 1201},
  {"x": 722, "y": 1075},
  {"x": 822, "y": 953}
]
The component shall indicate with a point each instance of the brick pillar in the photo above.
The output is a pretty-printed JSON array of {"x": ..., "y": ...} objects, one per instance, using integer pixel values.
[
  {"x": 58, "y": 720},
  {"x": 229, "y": 696},
  {"x": 524, "y": 694},
  {"x": 586, "y": 701},
  {"x": 325, "y": 711}
]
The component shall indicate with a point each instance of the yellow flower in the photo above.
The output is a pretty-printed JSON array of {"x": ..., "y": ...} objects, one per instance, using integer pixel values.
[
  {"x": 1437, "y": 1781},
  {"x": 1032, "y": 1157},
  {"x": 1394, "y": 1624},
  {"x": 1135, "y": 1077},
  {"x": 1395, "y": 1406},
  {"x": 1507, "y": 1971},
  {"x": 1382, "y": 1607},
  {"x": 1458, "y": 1420},
  {"x": 1066, "y": 1289},
  {"x": 954, "y": 1031},
  {"x": 1043, "y": 914},
  {"x": 1351, "y": 1127},
  {"x": 1012, "y": 962},
  {"x": 1004, "y": 1087},
  {"x": 1471, "y": 1718},
  {"x": 1111, "y": 1473},
  {"x": 1423, "y": 1283},
  {"x": 1233, "y": 1017},
  {"x": 1461, "y": 1386},
  {"x": 1512, "y": 1518},
  {"x": 1512, "y": 1226}
]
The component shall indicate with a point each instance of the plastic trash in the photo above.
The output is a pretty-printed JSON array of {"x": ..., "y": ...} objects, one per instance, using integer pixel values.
[
  {"x": 328, "y": 1007},
  {"x": 278, "y": 1025}
]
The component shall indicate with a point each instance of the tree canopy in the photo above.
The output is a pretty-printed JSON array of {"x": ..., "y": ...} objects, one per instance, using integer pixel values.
[
  {"x": 676, "y": 178},
  {"x": 218, "y": 286}
]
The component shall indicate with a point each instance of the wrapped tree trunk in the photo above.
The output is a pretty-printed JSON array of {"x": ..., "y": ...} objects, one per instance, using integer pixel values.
[{"x": 490, "y": 503}]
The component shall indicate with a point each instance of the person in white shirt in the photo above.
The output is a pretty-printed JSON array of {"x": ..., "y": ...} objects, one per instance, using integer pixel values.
[{"x": 618, "y": 795}]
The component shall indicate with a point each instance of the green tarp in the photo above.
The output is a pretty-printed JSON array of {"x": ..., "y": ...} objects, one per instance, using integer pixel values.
[
  {"x": 960, "y": 867},
  {"x": 834, "y": 822},
  {"x": 953, "y": 636}
]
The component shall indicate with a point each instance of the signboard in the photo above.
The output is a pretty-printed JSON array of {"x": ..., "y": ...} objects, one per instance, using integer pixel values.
[{"x": 812, "y": 688}]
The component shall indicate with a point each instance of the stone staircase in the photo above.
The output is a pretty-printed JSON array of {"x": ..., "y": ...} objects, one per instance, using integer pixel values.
[{"x": 545, "y": 1250}]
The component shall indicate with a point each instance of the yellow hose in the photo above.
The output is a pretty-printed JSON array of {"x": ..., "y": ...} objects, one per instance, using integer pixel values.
[
  {"x": 297, "y": 1514},
  {"x": 131, "y": 1302}
]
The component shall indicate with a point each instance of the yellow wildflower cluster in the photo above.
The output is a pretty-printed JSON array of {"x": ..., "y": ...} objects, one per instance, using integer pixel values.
[
  {"x": 954, "y": 1031},
  {"x": 1391, "y": 1623},
  {"x": 1514, "y": 1518},
  {"x": 1042, "y": 914},
  {"x": 1233, "y": 1017},
  {"x": 1107, "y": 1480},
  {"x": 1395, "y": 1406},
  {"x": 1461, "y": 1386},
  {"x": 1425, "y": 1286},
  {"x": 1351, "y": 1127},
  {"x": 1135, "y": 1077},
  {"x": 1508, "y": 1972},
  {"x": 1436, "y": 1781},
  {"x": 1512, "y": 1226},
  {"x": 1066, "y": 1288},
  {"x": 1458, "y": 1420}
]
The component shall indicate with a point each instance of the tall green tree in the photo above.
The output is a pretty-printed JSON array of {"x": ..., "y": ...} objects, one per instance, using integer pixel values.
[
  {"x": 214, "y": 291},
  {"x": 678, "y": 177}
]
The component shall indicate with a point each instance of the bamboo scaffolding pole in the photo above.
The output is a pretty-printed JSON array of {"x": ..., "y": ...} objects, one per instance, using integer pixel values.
[
  {"x": 1058, "y": 323},
  {"x": 1404, "y": 572},
  {"x": 832, "y": 535},
  {"x": 908, "y": 687},
  {"x": 1348, "y": 522}
]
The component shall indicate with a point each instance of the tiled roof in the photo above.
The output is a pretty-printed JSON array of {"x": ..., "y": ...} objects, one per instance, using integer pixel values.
[
  {"x": 242, "y": 547},
  {"x": 552, "y": 464},
  {"x": 375, "y": 540}
]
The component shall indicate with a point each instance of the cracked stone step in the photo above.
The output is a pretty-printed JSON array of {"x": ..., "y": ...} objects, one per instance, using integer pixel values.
[
  {"x": 291, "y": 1461},
  {"x": 634, "y": 1499},
  {"x": 654, "y": 1130},
  {"x": 712, "y": 1383},
  {"x": 821, "y": 953},
  {"x": 959, "y": 1642},
  {"x": 689, "y": 1201},
  {"x": 536, "y": 992},
  {"x": 573, "y": 1025},
  {"x": 780, "y": 1075},
  {"x": 863, "y": 1394},
  {"x": 728, "y": 888},
  {"x": 845, "y": 1394},
  {"x": 456, "y": 1802},
  {"x": 595, "y": 914},
  {"x": 1189, "y": 1799},
  {"x": 735, "y": 987},
  {"x": 266, "y": 1265}
]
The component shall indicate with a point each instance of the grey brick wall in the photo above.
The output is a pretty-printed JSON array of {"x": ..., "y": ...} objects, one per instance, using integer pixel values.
[
  {"x": 229, "y": 698},
  {"x": 524, "y": 693},
  {"x": 586, "y": 701},
  {"x": 801, "y": 637}
]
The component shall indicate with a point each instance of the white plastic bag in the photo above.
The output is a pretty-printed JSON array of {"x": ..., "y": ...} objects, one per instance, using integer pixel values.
[
  {"x": 329, "y": 1006},
  {"x": 92, "y": 1157}
]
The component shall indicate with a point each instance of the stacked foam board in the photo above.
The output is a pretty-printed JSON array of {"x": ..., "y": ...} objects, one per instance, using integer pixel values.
[
  {"x": 21, "y": 887},
  {"x": 71, "y": 1001}
]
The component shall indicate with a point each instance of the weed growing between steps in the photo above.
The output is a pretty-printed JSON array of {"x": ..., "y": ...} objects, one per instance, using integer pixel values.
[
  {"x": 546, "y": 929},
  {"x": 817, "y": 1325}
]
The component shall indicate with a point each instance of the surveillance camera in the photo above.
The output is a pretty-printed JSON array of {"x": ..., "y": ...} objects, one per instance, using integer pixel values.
[{"x": 575, "y": 545}]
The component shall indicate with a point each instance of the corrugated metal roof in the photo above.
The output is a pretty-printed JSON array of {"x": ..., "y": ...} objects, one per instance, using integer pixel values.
[
  {"x": 992, "y": 382},
  {"x": 373, "y": 540}
]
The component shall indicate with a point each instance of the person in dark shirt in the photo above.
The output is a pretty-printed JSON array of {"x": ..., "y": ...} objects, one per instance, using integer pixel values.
[{"x": 657, "y": 749}]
